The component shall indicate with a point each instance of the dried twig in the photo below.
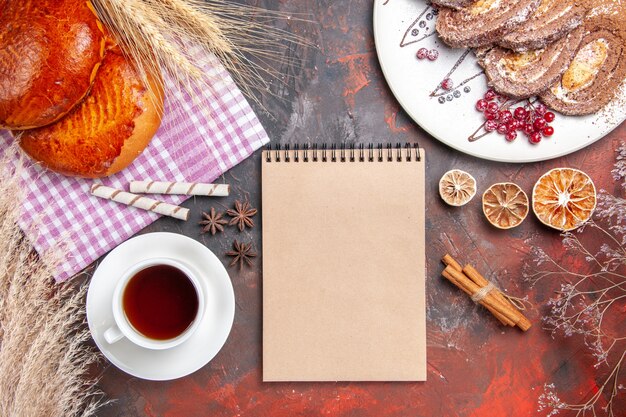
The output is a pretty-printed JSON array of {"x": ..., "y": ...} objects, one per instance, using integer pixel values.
[{"x": 589, "y": 301}]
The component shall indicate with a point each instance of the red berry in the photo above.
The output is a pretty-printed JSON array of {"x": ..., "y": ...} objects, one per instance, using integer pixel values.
[
  {"x": 549, "y": 116},
  {"x": 541, "y": 109},
  {"x": 502, "y": 129},
  {"x": 520, "y": 113},
  {"x": 491, "y": 125},
  {"x": 540, "y": 124},
  {"x": 505, "y": 116},
  {"x": 481, "y": 105},
  {"x": 490, "y": 95},
  {"x": 422, "y": 53},
  {"x": 548, "y": 131},
  {"x": 447, "y": 84},
  {"x": 529, "y": 129},
  {"x": 433, "y": 54},
  {"x": 530, "y": 116},
  {"x": 489, "y": 115},
  {"x": 512, "y": 125},
  {"x": 535, "y": 138},
  {"x": 493, "y": 107},
  {"x": 511, "y": 136}
]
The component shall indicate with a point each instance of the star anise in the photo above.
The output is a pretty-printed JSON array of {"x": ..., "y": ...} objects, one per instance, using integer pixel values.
[
  {"x": 212, "y": 222},
  {"x": 242, "y": 215},
  {"x": 242, "y": 253}
]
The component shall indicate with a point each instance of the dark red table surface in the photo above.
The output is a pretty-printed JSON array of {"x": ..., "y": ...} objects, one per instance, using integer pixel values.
[{"x": 337, "y": 93}]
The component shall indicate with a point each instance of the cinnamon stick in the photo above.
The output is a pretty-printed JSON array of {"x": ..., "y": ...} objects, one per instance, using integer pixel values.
[
  {"x": 465, "y": 277},
  {"x": 497, "y": 315},
  {"x": 489, "y": 300},
  {"x": 475, "y": 276},
  {"x": 449, "y": 260}
]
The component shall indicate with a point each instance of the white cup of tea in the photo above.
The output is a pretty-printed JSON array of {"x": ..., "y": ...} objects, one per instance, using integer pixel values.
[{"x": 157, "y": 304}]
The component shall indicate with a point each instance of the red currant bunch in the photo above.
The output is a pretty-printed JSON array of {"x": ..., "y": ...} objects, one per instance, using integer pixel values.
[{"x": 533, "y": 119}]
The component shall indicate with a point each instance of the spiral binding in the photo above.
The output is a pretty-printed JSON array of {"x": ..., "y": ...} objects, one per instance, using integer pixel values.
[{"x": 323, "y": 152}]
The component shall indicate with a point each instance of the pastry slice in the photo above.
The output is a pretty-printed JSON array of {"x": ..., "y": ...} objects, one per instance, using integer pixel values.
[
  {"x": 552, "y": 21},
  {"x": 453, "y": 4},
  {"x": 595, "y": 74},
  {"x": 483, "y": 22},
  {"x": 526, "y": 74}
]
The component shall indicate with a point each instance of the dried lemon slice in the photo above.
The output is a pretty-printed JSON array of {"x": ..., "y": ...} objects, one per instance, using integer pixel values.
[
  {"x": 457, "y": 187},
  {"x": 564, "y": 198},
  {"x": 505, "y": 205}
]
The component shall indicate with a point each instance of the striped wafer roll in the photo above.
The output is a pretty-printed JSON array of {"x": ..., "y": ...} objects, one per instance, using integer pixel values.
[
  {"x": 138, "y": 201},
  {"x": 184, "y": 188}
]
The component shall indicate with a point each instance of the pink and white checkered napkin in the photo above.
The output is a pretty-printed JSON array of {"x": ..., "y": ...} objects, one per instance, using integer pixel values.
[{"x": 189, "y": 146}]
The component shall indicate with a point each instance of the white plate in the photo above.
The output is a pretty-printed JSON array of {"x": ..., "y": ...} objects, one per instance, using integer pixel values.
[
  {"x": 399, "y": 30},
  {"x": 202, "y": 346}
]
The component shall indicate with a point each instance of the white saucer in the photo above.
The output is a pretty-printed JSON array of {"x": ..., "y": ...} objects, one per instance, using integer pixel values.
[{"x": 202, "y": 346}]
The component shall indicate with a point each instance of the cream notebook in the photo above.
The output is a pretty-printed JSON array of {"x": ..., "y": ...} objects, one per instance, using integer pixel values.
[{"x": 343, "y": 264}]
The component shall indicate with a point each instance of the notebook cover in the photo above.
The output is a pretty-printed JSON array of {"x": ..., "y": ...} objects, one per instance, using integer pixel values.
[{"x": 343, "y": 270}]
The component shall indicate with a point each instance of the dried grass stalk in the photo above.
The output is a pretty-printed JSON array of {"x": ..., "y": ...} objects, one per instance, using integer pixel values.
[
  {"x": 44, "y": 358},
  {"x": 163, "y": 35}
]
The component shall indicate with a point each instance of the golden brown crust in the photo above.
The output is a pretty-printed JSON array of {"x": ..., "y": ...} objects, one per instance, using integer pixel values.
[
  {"x": 107, "y": 131},
  {"x": 50, "y": 51}
]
